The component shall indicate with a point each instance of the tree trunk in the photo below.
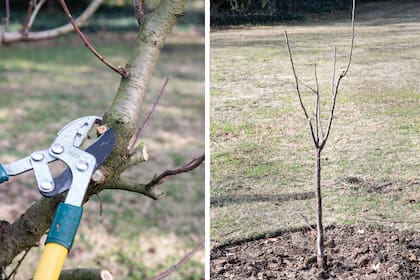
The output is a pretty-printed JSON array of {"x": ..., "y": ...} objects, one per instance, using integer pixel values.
[{"x": 321, "y": 258}]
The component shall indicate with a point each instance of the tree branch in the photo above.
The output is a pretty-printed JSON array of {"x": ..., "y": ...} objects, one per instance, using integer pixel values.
[
  {"x": 13, "y": 37},
  {"x": 135, "y": 187},
  {"x": 85, "y": 274},
  {"x": 162, "y": 90},
  {"x": 194, "y": 163},
  {"x": 27, "y": 26},
  {"x": 149, "y": 188},
  {"x": 31, "y": 6},
  {"x": 318, "y": 126},
  {"x": 183, "y": 261},
  {"x": 342, "y": 75},
  {"x": 298, "y": 91},
  {"x": 120, "y": 70}
]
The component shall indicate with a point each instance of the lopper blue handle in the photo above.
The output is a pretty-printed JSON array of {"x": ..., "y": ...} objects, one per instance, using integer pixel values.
[{"x": 3, "y": 175}]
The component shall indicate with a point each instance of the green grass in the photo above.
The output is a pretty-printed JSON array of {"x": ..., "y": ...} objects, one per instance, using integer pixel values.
[
  {"x": 260, "y": 143},
  {"x": 45, "y": 85}
]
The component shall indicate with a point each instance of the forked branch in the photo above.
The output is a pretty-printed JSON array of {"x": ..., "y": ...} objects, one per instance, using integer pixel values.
[
  {"x": 340, "y": 77},
  {"x": 33, "y": 11},
  {"x": 315, "y": 132},
  {"x": 149, "y": 189}
]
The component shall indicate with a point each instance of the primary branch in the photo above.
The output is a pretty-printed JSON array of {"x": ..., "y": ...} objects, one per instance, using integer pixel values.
[{"x": 316, "y": 141}]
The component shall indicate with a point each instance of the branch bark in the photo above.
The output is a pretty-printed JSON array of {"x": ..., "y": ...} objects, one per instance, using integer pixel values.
[{"x": 123, "y": 115}]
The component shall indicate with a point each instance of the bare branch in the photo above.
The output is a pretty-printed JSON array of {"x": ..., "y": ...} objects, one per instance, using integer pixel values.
[
  {"x": 13, "y": 37},
  {"x": 34, "y": 14},
  {"x": 149, "y": 188},
  {"x": 183, "y": 261},
  {"x": 333, "y": 72},
  {"x": 120, "y": 70},
  {"x": 85, "y": 273},
  {"x": 307, "y": 86},
  {"x": 352, "y": 39},
  {"x": 31, "y": 6},
  {"x": 307, "y": 222},
  {"x": 131, "y": 186},
  {"x": 342, "y": 75},
  {"x": 194, "y": 163},
  {"x": 298, "y": 90},
  {"x": 318, "y": 127},
  {"x": 162, "y": 90}
]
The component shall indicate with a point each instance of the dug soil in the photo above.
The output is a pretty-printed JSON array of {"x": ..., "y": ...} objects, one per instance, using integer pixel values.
[{"x": 354, "y": 252}]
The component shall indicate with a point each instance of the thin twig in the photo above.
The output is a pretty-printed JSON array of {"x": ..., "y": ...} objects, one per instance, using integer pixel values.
[
  {"x": 7, "y": 18},
  {"x": 183, "y": 261},
  {"x": 298, "y": 90},
  {"x": 34, "y": 14},
  {"x": 162, "y": 90},
  {"x": 100, "y": 203},
  {"x": 120, "y": 70},
  {"x": 307, "y": 222},
  {"x": 25, "y": 25},
  {"x": 195, "y": 162},
  {"x": 318, "y": 127},
  {"x": 307, "y": 86},
  {"x": 352, "y": 39},
  {"x": 333, "y": 68},
  {"x": 14, "y": 271}
]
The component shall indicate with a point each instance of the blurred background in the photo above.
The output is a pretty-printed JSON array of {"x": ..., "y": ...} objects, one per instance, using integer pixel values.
[{"x": 46, "y": 84}]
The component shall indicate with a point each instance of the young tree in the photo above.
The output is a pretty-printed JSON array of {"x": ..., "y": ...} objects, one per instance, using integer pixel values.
[
  {"x": 319, "y": 136},
  {"x": 124, "y": 115}
]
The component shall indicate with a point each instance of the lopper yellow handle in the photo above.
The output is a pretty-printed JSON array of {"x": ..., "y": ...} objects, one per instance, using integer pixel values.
[
  {"x": 59, "y": 241},
  {"x": 51, "y": 263}
]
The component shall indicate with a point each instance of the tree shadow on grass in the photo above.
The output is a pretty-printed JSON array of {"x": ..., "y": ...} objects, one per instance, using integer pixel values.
[{"x": 220, "y": 201}]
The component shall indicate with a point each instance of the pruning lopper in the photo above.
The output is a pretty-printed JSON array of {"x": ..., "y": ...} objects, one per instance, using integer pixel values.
[{"x": 81, "y": 165}]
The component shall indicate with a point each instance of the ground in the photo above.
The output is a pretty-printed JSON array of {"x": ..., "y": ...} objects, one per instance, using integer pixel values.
[
  {"x": 262, "y": 162},
  {"x": 44, "y": 85},
  {"x": 354, "y": 252}
]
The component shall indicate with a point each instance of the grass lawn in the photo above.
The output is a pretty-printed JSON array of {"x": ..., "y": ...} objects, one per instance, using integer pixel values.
[
  {"x": 262, "y": 161},
  {"x": 47, "y": 84}
]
